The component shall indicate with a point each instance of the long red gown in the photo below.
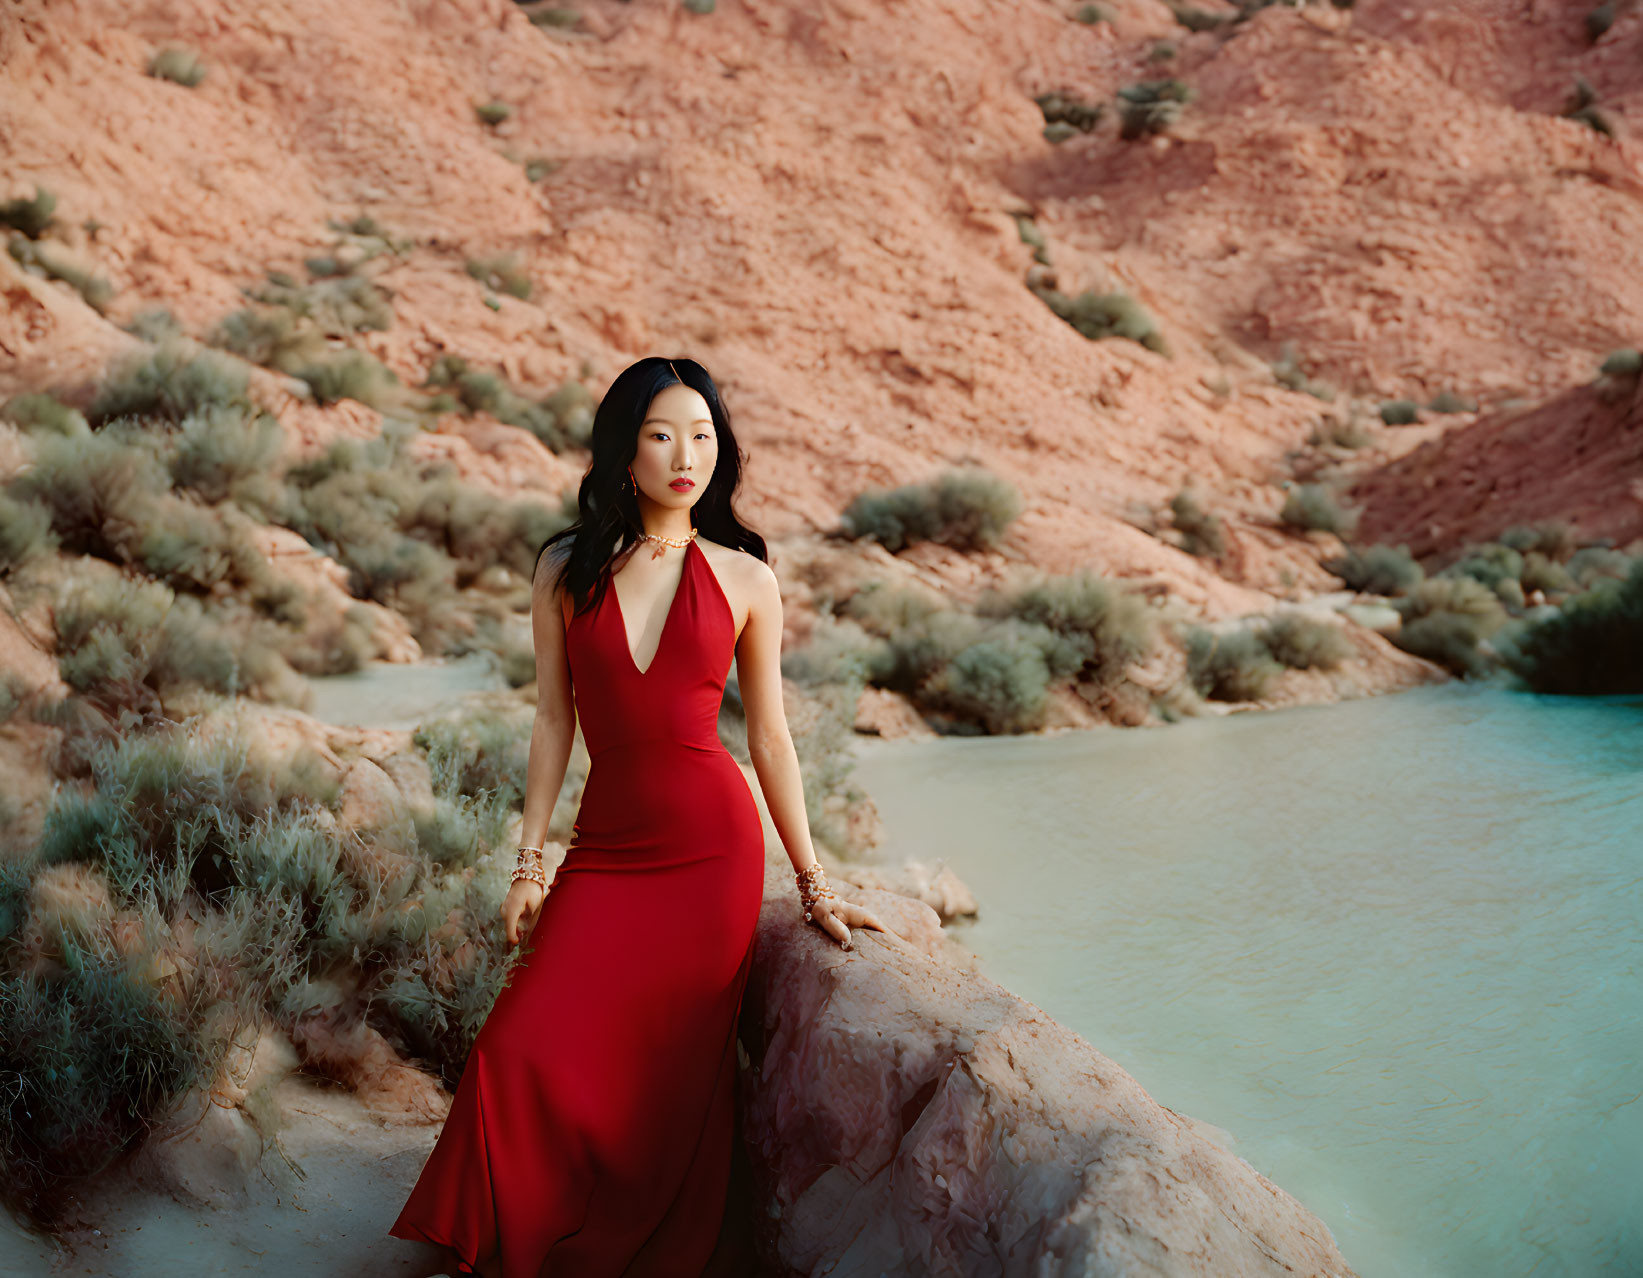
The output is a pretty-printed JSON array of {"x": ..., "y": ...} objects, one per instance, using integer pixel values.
[{"x": 591, "y": 1132}]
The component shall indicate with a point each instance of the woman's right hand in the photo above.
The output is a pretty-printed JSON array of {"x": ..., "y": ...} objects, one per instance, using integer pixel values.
[{"x": 521, "y": 908}]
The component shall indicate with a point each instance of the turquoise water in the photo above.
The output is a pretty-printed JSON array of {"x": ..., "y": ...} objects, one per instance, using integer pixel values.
[
  {"x": 385, "y": 694},
  {"x": 1394, "y": 947}
]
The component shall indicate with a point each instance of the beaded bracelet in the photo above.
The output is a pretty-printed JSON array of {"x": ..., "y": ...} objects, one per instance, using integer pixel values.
[{"x": 812, "y": 881}]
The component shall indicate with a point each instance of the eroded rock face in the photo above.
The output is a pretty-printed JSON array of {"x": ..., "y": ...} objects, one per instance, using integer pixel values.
[{"x": 903, "y": 1116}]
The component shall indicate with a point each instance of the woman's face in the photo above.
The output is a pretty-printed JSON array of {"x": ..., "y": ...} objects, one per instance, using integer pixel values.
[{"x": 676, "y": 443}]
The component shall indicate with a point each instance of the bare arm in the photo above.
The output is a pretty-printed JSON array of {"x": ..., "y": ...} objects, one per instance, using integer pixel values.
[
  {"x": 770, "y": 744},
  {"x": 552, "y": 734}
]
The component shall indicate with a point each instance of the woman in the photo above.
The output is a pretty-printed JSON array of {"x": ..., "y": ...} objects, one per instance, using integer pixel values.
[{"x": 591, "y": 1132}]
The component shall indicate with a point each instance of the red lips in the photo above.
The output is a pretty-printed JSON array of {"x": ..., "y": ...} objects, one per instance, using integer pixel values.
[{"x": 683, "y": 484}]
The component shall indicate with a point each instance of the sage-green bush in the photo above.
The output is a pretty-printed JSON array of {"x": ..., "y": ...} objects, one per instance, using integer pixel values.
[
  {"x": 1103, "y": 315},
  {"x": 1592, "y": 645},
  {"x": 966, "y": 509},
  {"x": 1235, "y": 666},
  {"x": 1446, "y": 618},
  {"x": 1151, "y": 106},
  {"x": 1315, "y": 507},
  {"x": 1306, "y": 643},
  {"x": 1108, "y": 623},
  {"x": 1378, "y": 570},
  {"x": 1201, "y": 531},
  {"x": 169, "y": 383}
]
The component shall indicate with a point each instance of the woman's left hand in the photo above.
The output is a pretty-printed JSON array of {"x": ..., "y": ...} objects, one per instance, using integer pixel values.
[{"x": 836, "y": 916}]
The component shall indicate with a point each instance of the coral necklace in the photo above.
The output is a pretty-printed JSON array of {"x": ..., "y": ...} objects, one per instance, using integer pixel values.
[{"x": 663, "y": 542}]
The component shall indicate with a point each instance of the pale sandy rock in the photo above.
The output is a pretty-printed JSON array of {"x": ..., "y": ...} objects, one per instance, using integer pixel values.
[
  {"x": 357, "y": 1056},
  {"x": 906, "y": 1117},
  {"x": 206, "y": 1153},
  {"x": 370, "y": 798},
  {"x": 932, "y": 882},
  {"x": 411, "y": 774},
  {"x": 69, "y": 903},
  {"x": 276, "y": 732},
  {"x": 882, "y": 713},
  {"x": 326, "y": 581}
]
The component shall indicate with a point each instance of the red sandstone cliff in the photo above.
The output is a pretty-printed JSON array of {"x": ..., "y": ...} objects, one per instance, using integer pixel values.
[{"x": 817, "y": 203}]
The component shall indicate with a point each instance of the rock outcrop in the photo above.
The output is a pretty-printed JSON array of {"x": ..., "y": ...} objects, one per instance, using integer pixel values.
[{"x": 904, "y": 1116}]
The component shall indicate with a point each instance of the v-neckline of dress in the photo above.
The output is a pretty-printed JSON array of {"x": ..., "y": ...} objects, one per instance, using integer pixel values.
[{"x": 667, "y": 621}]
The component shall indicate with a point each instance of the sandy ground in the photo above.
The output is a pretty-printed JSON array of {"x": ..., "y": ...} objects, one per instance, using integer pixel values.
[{"x": 332, "y": 1219}]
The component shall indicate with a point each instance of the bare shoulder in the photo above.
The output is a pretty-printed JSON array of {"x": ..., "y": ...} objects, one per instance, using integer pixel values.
[
  {"x": 748, "y": 582},
  {"x": 545, "y": 587},
  {"x": 750, "y": 574}
]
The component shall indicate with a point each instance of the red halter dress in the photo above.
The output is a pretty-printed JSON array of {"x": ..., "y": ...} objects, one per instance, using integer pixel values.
[{"x": 591, "y": 1131}]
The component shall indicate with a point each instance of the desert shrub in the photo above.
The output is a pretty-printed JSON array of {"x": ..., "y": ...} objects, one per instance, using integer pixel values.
[
  {"x": 122, "y": 644},
  {"x": 179, "y": 821},
  {"x": 1400, "y": 412},
  {"x": 169, "y": 383},
  {"x": 170, "y": 802},
  {"x": 560, "y": 19},
  {"x": 504, "y": 274},
  {"x": 89, "y": 1060},
  {"x": 964, "y": 509},
  {"x": 439, "y": 1002},
  {"x": 1625, "y": 362},
  {"x": 15, "y": 885},
  {"x": 1338, "y": 432},
  {"x": 25, "y": 531},
  {"x": 107, "y": 494},
  {"x": 340, "y": 304},
  {"x": 1446, "y": 618},
  {"x": 45, "y": 413},
  {"x": 1583, "y": 108},
  {"x": 272, "y": 338},
  {"x": 1315, "y": 507},
  {"x": 350, "y": 374},
  {"x": 916, "y": 650},
  {"x": 223, "y": 451},
  {"x": 1235, "y": 666},
  {"x": 838, "y": 651},
  {"x": 1151, "y": 106},
  {"x": 1446, "y": 401},
  {"x": 1065, "y": 108},
  {"x": 1194, "y": 19},
  {"x": 1447, "y": 638},
  {"x": 181, "y": 66},
  {"x": 562, "y": 420},
  {"x": 1103, "y": 315},
  {"x": 1111, "y": 623},
  {"x": 1306, "y": 643},
  {"x": 1490, "y": 563},
  {"x": 409, "y": 535},
  {"x": 1003, "y": 685},
  {"x": 1287, "y": 371},
  {"x": 479, "y": 751},
  {"x": 31, "y": 215},
  {"x": 1201, "y": 531},
  {"x": 97, "y": 489},
  {"x": 1378, "y": 570},
  {"x": 1545, "y": 574},
  {"x": 41, "y": 260},
  {"x": 1591, "y": 564},
  {"x": 493, "y": 112},
  {"x": 989, "y": 672},
  {"x": 1090, "y": 14},
  {"x": 1554, "y": 540},
  {"x": 1592, "y": 645}
]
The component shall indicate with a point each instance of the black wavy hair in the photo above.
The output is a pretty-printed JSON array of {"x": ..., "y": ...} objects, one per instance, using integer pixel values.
[{"x": 608, "y": 521}]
